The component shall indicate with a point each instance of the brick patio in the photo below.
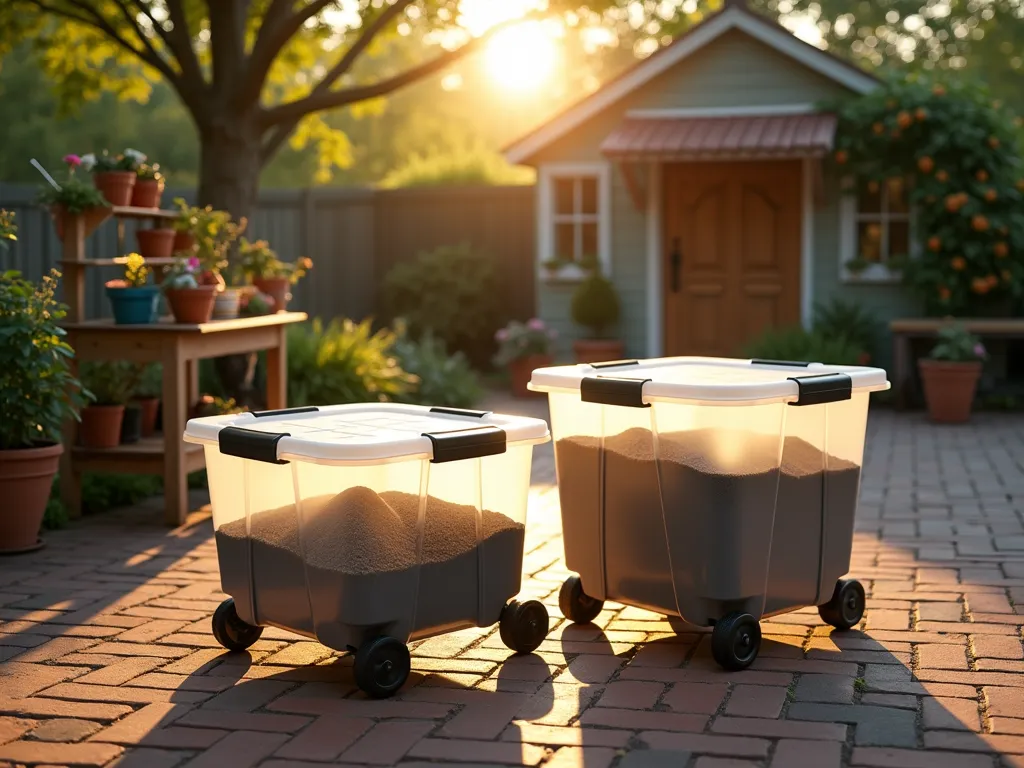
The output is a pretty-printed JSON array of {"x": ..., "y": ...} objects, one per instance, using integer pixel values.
[{"x": 108, "y": 657}]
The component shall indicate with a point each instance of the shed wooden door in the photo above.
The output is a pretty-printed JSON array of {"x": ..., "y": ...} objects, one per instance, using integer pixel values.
[{"x": 736, "y": 229}]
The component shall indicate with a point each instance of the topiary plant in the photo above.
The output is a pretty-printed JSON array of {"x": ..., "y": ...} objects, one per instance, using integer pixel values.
[{"x": 595, "y": 304}]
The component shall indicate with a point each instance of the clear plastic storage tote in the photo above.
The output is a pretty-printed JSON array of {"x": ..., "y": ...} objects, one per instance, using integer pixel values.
[
  {"x": 367, "y": 526},
  {"x": 717, "y": 490}
]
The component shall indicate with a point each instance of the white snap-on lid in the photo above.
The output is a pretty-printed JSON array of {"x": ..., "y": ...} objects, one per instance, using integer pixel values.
[
  {"x": 363, "y": 433},
  {"x": 708, "y": 380}
]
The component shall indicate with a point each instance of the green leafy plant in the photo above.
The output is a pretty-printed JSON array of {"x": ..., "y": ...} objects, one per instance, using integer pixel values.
[
  {"x": 185, "y": 273},
  {"x": 960, "y": 151},
  {"x": 37, "y": 389},
  {"x": 518, "y": 340},
  {"x": 149, "y": 380},
  {"x": 110, "y": 383},
  {"x": 958, "y": 345},
  {"x": 129, "y": 160},
  {"x": 595, "y": 304},
  {"x": 8, "y": 229},
  {"x": 444, "y": 378},
  {"x": 344, "y": 362},
  {"x": 800, "y": 345},
  {"x": 149, "y": 171},
  {"x": 73, "y": 195},
  {"x": 257, "y": 259},
  {"x": 451, "y": 290},
  {"x": 852, "y": 321},
  {"x": 214, "y": 233}
]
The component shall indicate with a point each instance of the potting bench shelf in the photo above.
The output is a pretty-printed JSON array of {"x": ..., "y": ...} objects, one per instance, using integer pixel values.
[
  {"x": 116, "y": 262},
  {"x": 145, "y": 457}
]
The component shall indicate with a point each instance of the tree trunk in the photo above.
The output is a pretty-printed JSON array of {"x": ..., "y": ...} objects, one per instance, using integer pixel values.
[{"x": 229, "y": 173}]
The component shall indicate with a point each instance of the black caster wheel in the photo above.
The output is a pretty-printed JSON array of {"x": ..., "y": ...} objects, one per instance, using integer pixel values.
[
  {"x": 381, "y": 667},
  {"x": 735, "y": 641},
  {"x": 230, "y": 631},
  {"x": 575, "y": 604},
  {"x": 846, "y": 608},
  {"x": 523, "y": 626}
]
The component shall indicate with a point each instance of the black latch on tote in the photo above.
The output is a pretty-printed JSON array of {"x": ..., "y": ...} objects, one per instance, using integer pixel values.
[
  {"x": 286, "y": 411},
  {"x": 790, "y": 363},
  {"x": 610, "y": 390},
  {"x": 469, "y": 443},
  {"x": 823, "y": 388},
  {"x": 250, "y": 444},
  {"x": 460, "y": 412}
]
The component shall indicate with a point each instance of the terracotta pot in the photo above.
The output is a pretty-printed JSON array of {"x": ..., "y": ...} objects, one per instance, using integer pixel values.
[
  {"x": 148, "y": 407},
  {"x": 26, "y": 476},
  {"x": 146, "y": 193},
  {"x": 93, "y": 216},
  {"x": 184, "y": 241},
  {"x": 101, "y": 426},
  {"x": 155, "y": 243},
  {"x": 116, "y": 186},
  {"x": 192, "y": 306},
  {"x": 598, "y": 350},
  {"x": 225, "y": 305},
  {"x": 949, "y": 389},
  {"x": 276, "y": 288},
  {"x": 520, "y": 371}
]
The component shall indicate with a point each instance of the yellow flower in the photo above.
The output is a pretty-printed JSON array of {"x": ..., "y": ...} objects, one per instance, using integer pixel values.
[{"x": 135, "y": 270}]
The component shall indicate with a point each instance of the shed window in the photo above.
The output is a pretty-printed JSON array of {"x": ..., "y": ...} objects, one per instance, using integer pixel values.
[
  {"x": 877, "y": 229},
  {"x": 574, "y": 215}
]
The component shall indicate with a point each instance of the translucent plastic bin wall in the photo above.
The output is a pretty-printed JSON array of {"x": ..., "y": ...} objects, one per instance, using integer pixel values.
[
  {"x": 419, "y": 582},
  {"x": 647, "y": 522}
]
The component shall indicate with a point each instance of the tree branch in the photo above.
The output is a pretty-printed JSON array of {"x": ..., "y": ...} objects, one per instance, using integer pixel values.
[
  {"x": 133, "y": 23},
  {"x": 180, "y": 42}
]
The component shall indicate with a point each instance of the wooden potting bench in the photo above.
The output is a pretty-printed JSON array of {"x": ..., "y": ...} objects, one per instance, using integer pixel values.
[{"x": 178, "y": 348}]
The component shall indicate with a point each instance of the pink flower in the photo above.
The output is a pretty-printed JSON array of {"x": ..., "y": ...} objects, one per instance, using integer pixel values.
[
  {"x": 193, "y": 263},
  {"x": 501, "y": 335},
  {"x": 72, "y": 160},
  {"x": 979, "y": 350},
  {"x": 535, "y": 324}
]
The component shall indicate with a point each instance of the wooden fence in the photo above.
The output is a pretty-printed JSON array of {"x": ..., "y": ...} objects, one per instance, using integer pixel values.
[{"x": 354, "y": 236}]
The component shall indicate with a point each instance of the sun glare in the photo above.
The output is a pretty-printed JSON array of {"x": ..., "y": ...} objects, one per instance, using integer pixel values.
[{"x": 523, "y": 57}]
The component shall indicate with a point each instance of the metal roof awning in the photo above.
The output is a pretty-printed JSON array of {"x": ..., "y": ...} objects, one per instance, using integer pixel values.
[{"x": 721, "y": 138}]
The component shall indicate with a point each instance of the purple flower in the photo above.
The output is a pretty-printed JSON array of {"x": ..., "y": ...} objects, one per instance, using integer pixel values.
[
  {"x": 535, "y": 324},
  {"x": 193, "y": 263},
  {"x": 979, "y": 350},
  {"x": 501, "y": 335}
]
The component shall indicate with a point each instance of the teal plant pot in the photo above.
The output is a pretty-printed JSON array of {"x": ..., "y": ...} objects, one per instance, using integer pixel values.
[{"x": 134, "y": 306}]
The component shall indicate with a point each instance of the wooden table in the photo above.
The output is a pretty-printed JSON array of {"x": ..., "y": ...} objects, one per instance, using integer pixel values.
[
  {"x": 178, "y": 348},
  {"x": 905, "y": 330}
]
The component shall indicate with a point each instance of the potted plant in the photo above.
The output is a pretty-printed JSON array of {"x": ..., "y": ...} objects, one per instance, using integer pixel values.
[
  {"x": 156, "y": 243},
  {"x": 950, "y": 374},
  {"x": 522, "y": 348},
  {"x": 147, "y": 396},
  {"x": 39, "y": 393},
  {"x": 114, "y": 175},
  {"x": 595, "y": 306},
  {"x": 74, "y": 198},
  {"x": 149, "y": 186},
  {"x": 268, "y": 273},
  {"x": 191, "y": 303},
  {"x": 252, "y": 303},
  {"x": 132, "y": 300},
  {"x": 553, "y": 266},
  {"x": 111, "y": 385},
  {"x": 214, "y": 233},
  {"x": 184, "y": 239}
]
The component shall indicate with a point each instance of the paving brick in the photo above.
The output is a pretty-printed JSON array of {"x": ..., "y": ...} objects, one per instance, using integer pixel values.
[
  {"x": 150, "y": 631},
  {"x": 835, "y": 689},
  {"x": 124, "y": 694},
  {"x": 875, "y": 757},
  {"x": 638, "y": 720},
  {"x": 788, "y": 729},
  {"x": 701, "y": 698},
  {"x": 942, "y": 656},
  {"x": 590, "y": 670},
  {"x": 457, "y": 750},
  {"x": 581, "y": 757},
  {"x": 733, "y": 746},
  {"x": 899, "y": 700},
  {"x": 18, "y": 680},
  {"x": 40, "y": 707},
  {"x": 65, "y": 730},
  {"x": 148, "y": 757},
  {"x": 1007, "y": 725},
  {"x": 553, "y": 735},
  {"x": 140, "y": 649},
  {"x": 804, "y": 754},
  {"x": 557, "y": 704},
  {"x": 882, "y": 619},
  {"x": 974, "y": 742},
  {"x": 938, "y": 611},
  {"x": 248, "y": 695},
  {"x": 654, "y": 758},
  {"x": 134, "y": 728},
  {"x": 387, "y": 743},
  {"x": 244, "y": 721},
  {"x": 54, "y": 649},
  {"x": 757, "y": 700},
  {"x": 876, "y": 726},
  {"x": 122, "y": 671},
  {"x": 38, "y": 752},
  {"x": 951, "y": 714},
  {"x": 994, "y": 647},
  {"x": 724, "y": 762},
  {"x": 13, "y": 727},
  {"x": 627, "y": 694},
  {"x": 240, "y": 749},
  {"x": 485, "y": 716},
  {"x": 299, "y": 654},
  {"x": 325, "y": 739}
]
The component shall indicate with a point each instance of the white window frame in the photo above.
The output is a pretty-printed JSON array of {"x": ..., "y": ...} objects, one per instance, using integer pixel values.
[
  {"x": 547, "y": 218},
  {"x": 849, "y": 217}
]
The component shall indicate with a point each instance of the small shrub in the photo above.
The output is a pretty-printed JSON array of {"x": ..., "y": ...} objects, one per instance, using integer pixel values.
[
  {"x": 444, "y": 379},
  {"x": 451, "y": 290},
  {"x": 800, "y": 345},
  {"x": 958, "y": 345},
  {"x": 518, "y": 340},
  {"x": 850, "y": 320},
  {"x": 111, "y": 383},
  {"x": 344, "y": 362},
  {"x": 595, "y": 304}
]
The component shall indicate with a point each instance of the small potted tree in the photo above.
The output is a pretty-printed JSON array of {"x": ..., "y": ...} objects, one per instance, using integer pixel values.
[
  {"x": 133, "y": 301},
  {"x": 114, "y": 175},
  {"x": 38, "y": 393},
  {"x": 268, "y": 273},
  {"x": 74, "y": 198},
  {"x": 522, "y": 348},
  {"x": 149, "y": 186},
  {"x": 111, "y": 385},
  {"x": 595, "y": 306},
  {"x": 950, "y": 375}
]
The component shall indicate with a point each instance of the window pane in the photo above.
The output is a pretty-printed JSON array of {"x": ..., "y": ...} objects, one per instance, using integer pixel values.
[
  {"x": 564, "y": 195},
  {"x": 564, "y": 236},
  {"x": 589, "y": 197},
  {"x": 899, "y": 238},
  {"x": 869, "y": 240},
  {"x": 897, "y": 202},
  {"x": 589, "y": 241},
  {"x": 869, "y": 199}
]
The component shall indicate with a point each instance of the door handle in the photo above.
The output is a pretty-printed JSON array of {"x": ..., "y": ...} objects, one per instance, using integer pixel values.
[{"x": 676, "y": 260}]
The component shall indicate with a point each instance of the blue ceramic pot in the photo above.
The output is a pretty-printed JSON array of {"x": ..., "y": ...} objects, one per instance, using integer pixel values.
[{"x": 134, "y": 306}]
